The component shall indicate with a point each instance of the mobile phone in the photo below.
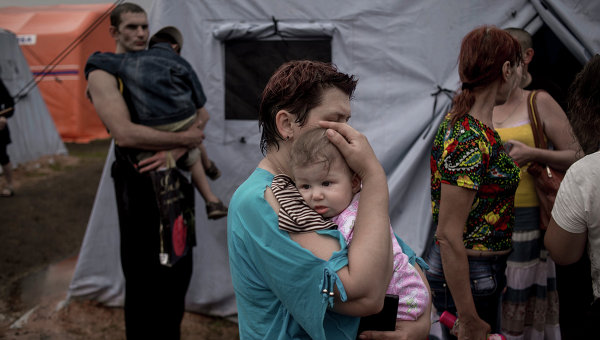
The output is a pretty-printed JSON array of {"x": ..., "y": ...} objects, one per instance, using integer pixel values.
[{"x": 384, "y": 320}]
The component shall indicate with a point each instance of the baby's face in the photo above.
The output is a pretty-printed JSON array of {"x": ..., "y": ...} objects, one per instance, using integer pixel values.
[{"x": 326, "y": 192}]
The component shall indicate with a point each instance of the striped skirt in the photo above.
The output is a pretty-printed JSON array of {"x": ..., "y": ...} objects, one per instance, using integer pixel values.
[{"x": 530, "y": 303}]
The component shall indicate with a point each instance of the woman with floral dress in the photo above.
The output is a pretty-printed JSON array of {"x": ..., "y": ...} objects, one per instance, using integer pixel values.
[{"x": 473, "y": 181}]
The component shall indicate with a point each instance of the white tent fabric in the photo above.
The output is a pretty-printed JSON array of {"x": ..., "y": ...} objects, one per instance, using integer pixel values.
[
  {"x": 231, "y": 31},
  {"x": 575, "y": 23},
  {"x": 404, "y": 53},
  {"x": 32, "y": 129}
]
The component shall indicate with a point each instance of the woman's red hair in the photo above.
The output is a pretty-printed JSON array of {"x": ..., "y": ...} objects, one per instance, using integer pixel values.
[{"x": 482, "y": 53}]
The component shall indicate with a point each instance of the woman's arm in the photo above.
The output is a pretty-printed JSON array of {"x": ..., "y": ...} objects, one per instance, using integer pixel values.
[
  {"x": 557, "y": 130},
  {"x": 567, "y": 232},
  {"x": 455, "y": 204},
  {"x": 370, "y": 261},
  {"x": 564, "y": 247}
]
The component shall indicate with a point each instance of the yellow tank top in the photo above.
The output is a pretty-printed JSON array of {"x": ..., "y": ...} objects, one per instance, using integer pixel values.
[{"x": 525, "y": 195}]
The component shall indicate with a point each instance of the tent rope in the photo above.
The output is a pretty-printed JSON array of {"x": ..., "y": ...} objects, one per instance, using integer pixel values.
[
  {"x": 275, "y": 25},
  {"x": 449, "y": 94}
]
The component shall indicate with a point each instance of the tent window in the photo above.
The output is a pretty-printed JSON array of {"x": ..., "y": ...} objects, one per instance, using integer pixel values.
[{"x": 250, "y": 63}]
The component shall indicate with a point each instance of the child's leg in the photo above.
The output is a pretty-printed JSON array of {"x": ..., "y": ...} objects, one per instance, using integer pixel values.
[
  {"x": 201, "y": 183},
  {"x": 214, "y": 207},
  {"x": 206, "y": 162},
  {"x": 210, "y": 169}
]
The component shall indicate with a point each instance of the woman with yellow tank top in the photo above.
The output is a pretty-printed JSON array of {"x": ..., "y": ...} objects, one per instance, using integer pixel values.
[{"x": 530, "y": 303}]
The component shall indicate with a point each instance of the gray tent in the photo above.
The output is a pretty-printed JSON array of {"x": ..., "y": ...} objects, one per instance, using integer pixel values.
[
  {"x": 403, "y": 52},
  {"x": 32, "y": 129}
]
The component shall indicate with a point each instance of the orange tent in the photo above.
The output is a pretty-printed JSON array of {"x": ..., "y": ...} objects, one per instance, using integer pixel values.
[{"x": 56, "y": 41}]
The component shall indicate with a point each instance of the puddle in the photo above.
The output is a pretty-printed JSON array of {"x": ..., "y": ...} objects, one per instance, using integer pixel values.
[{"x": 49, "y": 283}]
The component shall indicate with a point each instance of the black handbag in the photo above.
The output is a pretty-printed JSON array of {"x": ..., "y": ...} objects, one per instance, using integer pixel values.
[{"x": 175, "y": 199}]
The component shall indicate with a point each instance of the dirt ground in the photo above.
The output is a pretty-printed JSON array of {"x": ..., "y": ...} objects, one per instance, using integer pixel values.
[{"x": 41, "y": 230}]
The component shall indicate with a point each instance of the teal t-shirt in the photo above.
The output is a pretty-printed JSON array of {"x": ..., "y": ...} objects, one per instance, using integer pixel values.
[{"x": 281, "y": 288}]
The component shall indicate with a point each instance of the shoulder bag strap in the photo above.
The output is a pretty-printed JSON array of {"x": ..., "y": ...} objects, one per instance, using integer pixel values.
[{"x": 536, "y": 126}]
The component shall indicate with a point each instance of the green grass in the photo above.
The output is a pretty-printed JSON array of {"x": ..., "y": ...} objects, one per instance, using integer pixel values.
[{"x": 92, "y": 150}]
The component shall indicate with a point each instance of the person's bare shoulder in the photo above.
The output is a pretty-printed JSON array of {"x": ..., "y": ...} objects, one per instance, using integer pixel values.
[
  {"x": 101, "y": 78},
  {"x": 548, "y": 108},
  {"x": 543, "y": 96}
]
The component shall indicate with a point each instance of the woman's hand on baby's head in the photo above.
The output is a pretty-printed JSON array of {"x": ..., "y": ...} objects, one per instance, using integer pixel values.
[{"x": 355, "y": 148}]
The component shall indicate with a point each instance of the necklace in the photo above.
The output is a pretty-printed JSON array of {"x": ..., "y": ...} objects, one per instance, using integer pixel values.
[{"x": 515, "y": 106}]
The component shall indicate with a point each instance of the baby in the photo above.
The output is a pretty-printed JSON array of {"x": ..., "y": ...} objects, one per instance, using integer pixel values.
[{"x": 331, "y": 189}]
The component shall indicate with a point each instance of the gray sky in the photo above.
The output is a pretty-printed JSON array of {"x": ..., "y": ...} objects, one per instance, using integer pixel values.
[{"x": 146, "y": 4}]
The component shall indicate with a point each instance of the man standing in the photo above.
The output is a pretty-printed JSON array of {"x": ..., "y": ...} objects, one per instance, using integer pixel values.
[
  {"x": 154, "y": 294},
  {"x": 6, "y": 110}
]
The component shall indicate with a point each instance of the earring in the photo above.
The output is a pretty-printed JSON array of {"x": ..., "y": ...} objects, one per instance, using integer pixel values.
[{"x": 287, "y": 138}]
